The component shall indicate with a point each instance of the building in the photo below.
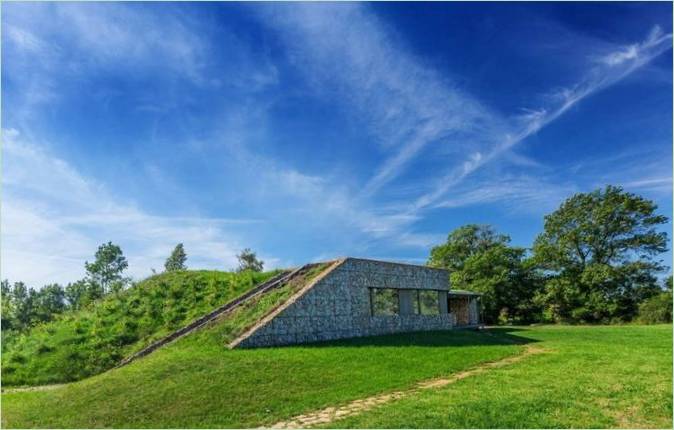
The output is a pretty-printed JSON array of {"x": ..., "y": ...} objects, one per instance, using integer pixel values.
[{"x": 356, "y": 297}]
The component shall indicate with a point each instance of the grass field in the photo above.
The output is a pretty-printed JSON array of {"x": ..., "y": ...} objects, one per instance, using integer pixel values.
[{"x": 588, "y": 377}]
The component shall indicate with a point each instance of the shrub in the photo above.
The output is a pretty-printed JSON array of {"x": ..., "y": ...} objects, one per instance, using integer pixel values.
[{"x": 657, "y": 309}]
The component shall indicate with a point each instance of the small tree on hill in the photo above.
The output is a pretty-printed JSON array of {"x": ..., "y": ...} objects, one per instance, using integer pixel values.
[
  {"x": 248, "y": 261},
  {"x": 106, "y": 270},
  {"x": 176, "y": 260}
]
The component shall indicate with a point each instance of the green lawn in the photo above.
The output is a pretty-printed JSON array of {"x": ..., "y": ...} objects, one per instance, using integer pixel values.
[
  {"x": 196, "y": 382},
  {"x": 589, "y": 377}
]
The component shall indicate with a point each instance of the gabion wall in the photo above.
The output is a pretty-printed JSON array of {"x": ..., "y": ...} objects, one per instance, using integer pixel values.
[{"x": 338, "y": 306}]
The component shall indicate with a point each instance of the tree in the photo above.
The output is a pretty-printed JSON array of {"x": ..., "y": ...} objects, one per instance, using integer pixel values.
[
  {"x": 176, "y": 260},
  {"x": 22, "y": 300},
  {"x": 7, "y": 305},
  {"x": 49, "y": 301},
  {"x": 76, "y": 294},
  {"x": 248, "y": 261},
  {"x": 479, "y": 259},
  {"x": 598, "y": 251},
  {"x": 463, "y": 243},
  {"x": 106, "y": 270},
  {"x": 658, "y": 309}
]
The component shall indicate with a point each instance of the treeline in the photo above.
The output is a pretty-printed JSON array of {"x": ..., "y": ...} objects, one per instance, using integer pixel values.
[
  {"x": 595, "y": 262},
  {"x": 24, "y": 307}
]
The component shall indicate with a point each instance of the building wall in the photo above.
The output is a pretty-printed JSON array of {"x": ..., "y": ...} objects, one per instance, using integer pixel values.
[{"x": 338, "y": 306}]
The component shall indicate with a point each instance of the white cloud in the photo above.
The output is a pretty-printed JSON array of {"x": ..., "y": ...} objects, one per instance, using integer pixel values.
[
  {"x": 53, "y": 219},
  {"x": 517, "y": 194}
]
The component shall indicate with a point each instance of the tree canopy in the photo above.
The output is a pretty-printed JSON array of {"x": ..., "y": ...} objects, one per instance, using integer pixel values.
[
  {"x": 106, "y": 270},
  {"x": 599, "y": 252},
  {"x": 480, "y": 259},
  {"x": 177, "y": 259},
  {"x": 248, "y": 261}
]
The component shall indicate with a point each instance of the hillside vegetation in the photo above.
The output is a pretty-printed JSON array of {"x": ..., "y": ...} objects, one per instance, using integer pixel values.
[
  {"x": 586, "y": 377},
  {"x": 86, "y": 342}
]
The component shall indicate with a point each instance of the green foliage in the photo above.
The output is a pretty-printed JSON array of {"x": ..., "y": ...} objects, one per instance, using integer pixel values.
[
  {"x": 463, "y": 243},
  {"x": 24, "y": 307},
  {"x": 479, "y": 259},
  {"x": 656, "y": 309},
  {"x": 248, "y": 261},
  {"x": 93, "y": 339},
  {"x": 177, "y": 259},
  {"x": 598, "y": 251},
  {"x": 106, "y": 270}
]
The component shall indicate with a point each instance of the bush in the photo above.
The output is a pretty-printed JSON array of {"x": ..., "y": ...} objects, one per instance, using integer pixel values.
[{"x": 657, "y": 309}]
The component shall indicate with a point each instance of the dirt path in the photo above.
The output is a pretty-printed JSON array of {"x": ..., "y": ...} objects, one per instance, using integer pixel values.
[
  {"x": 330, "y": 414},
  {"x": 35, "y": 388}
]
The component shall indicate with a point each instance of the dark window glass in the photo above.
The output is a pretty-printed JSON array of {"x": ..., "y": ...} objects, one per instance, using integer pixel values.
[
  {"x": 384, "y": 301},
  {"x": 428, "y": 303}
]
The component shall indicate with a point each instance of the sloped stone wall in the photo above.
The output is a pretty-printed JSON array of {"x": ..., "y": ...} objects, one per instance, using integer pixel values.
[{"x": 338, "y": 306}]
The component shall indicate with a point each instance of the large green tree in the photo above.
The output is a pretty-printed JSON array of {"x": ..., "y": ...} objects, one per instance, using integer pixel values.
[
  {"x": 177, "y": 259},
  {"x": 480, "y": 259},
  {"x": 106, "y": 270},
  {"x": 599, "y": 251}
]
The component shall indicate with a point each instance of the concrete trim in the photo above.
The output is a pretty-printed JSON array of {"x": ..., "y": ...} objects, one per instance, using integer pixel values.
[{"x": 395, "y": 263}]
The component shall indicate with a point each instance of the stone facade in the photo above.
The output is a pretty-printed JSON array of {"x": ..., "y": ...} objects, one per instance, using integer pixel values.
[{"x": 337, "y": 305}]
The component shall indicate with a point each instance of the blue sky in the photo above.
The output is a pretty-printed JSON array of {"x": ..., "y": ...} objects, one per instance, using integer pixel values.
[{"x": 310, "y": 131}]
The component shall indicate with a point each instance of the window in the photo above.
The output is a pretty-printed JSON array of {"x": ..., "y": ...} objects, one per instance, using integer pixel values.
[
  {"x": 384, "y": 301},
  {"x": 428, "y": 302}
]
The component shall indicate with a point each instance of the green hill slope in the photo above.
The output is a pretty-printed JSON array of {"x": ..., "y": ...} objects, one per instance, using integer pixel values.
[{"x": 87, "y": 342}]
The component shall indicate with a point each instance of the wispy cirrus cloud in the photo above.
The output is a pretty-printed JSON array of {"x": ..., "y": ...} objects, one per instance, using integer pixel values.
[
  {"x": 410, "y": 108},
  {"x": 404, "y": 102},
  {"x": 612, "y": 68}
]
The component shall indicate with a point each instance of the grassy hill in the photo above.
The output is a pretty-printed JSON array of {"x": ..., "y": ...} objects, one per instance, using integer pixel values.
[
  {"x": 587, "y": 377},
  {"x": 87, "y": 342}
]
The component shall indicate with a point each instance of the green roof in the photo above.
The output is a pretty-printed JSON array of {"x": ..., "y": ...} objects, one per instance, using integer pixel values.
[{"x": 463, "y": 293}]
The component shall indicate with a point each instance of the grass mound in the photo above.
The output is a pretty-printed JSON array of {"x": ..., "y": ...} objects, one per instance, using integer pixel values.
[{"x": 84, "y": 343}]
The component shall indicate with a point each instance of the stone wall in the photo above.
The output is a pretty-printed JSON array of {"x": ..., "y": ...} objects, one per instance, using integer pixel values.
[{"x": 338, "y": 305}]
